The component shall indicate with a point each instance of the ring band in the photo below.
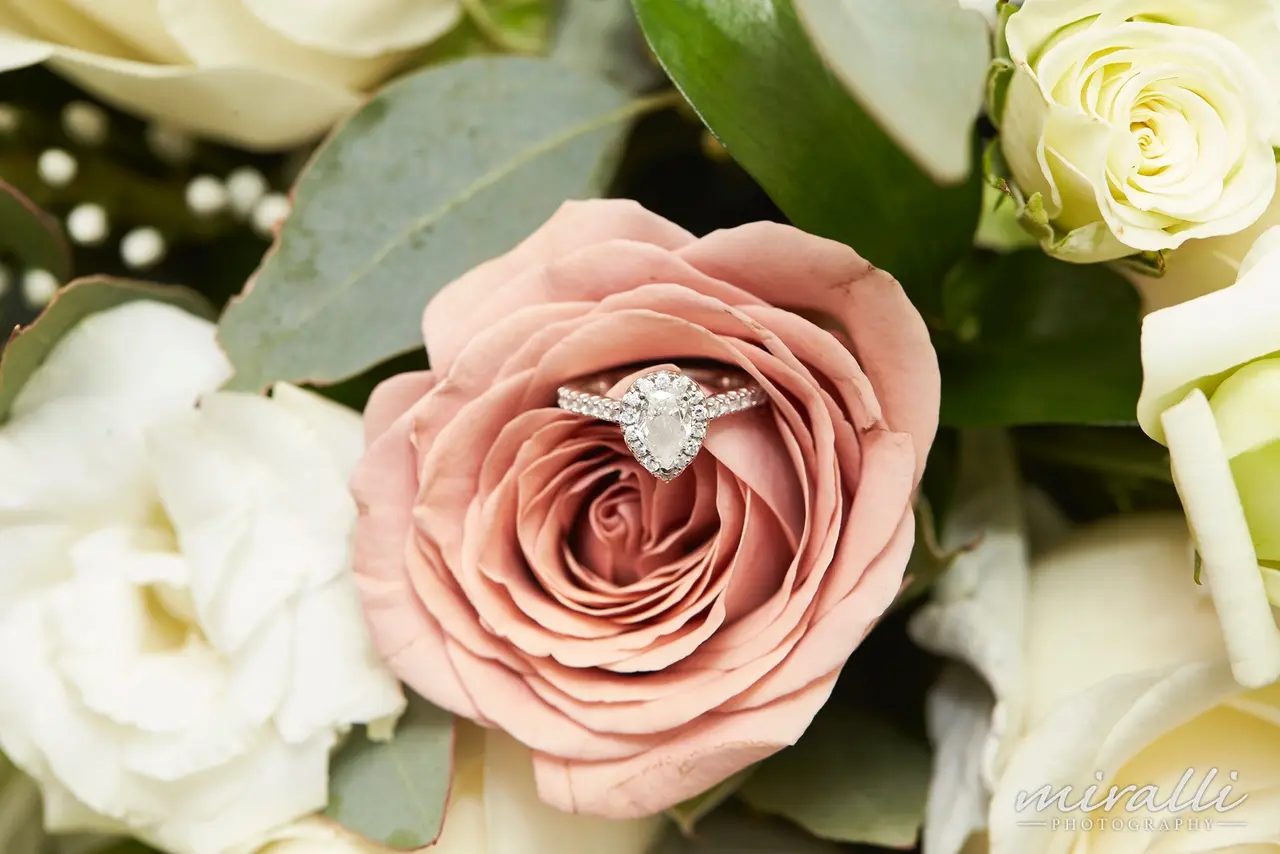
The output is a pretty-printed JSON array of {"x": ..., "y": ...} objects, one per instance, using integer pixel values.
[{"x": 664, "y": 414}]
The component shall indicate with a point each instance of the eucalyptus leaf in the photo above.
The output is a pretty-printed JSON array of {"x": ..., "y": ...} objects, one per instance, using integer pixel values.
[
  {"x": 852, "y": 777},
  {"x": 1036, "y": 340},
  {"x": 752, "y": 74},
  {"x": 688, "y": 813},
  {"x": 734, "y": 830},
  {"x": 31, "y": 234},
  {"x": 918, "y": 66},
  {"x": 443, "y": 170},
  {"x": 29, "y": 346},
  {"x": 602, "y": 37},
  {"x": 394, "y": 792}
]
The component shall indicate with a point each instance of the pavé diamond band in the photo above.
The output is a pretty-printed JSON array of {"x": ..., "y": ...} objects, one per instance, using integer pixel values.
[{"x": 664, "y": 413}]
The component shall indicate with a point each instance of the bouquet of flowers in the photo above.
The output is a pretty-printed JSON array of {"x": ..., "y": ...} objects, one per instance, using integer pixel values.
[{"x": 639, "y": 426}]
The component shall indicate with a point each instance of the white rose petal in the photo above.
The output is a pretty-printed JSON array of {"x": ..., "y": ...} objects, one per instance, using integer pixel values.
[
  {"x": 185, "y": 643},
  {"x": 1127, "y": 684},
  {"x": 255, "y": 73},
  {"x": 358, "y": 29}
]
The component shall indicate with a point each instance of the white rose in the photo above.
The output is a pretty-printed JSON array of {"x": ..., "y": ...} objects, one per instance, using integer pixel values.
[
  {"x": 1199, "y": 267},
  {"x": 182, "y": 643},
  {"x": 493, "y": 809},
  {"x": 1136, "y": 126},
  {"x": 265, "y": 74},
  {"x": 1123, "y": 682},
  {"x": 1211, "y": 372}
]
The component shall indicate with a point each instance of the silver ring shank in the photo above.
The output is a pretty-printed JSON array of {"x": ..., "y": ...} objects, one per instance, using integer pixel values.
[{"x": 742, "y": 394}]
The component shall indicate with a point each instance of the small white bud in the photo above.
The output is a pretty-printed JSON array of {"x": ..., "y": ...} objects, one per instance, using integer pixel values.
[
  {"x": 85, "y": 123},
  {"x": 38, "y": 287},
  {"x": 206, "y": 195},
  {"x": 245, "y": 188},
  {"x": 271, "y": 211},
  {"x": 142, "y": 248},
  {"x": 57, "y": 168},
  {"x": 169, "y": 143},
  {"x": 87, "y": 224},
  {"x": 10, "y": 119}
]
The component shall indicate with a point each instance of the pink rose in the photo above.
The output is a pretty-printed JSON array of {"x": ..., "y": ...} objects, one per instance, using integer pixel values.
[{"x": 645, "y": 640}]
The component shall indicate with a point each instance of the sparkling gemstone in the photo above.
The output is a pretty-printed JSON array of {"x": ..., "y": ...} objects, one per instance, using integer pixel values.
[{"x": 664, "y": 424}]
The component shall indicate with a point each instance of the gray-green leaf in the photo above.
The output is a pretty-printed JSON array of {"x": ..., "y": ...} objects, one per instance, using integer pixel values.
[
  {"x": 688, "y": 813},
  {"x": 852, "y": 777},
  {"x": 734, "y": 830},
  {"x": 918, "y": 67},
  {"x": 443, "y": 170},
  {"x": 32, "y": 234},
  {"x": 394, "y": 792}
]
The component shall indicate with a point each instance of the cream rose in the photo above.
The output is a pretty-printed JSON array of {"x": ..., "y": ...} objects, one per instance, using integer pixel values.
[
  {"x": 1123, "y": 681},
  {"x": 1211, "y": 370},
  {"x": 265, "y": 74},
  {"x": 1199, "y": 267},
  {"x": 1136, "y": 126},
  {"x": 182, "y": 640},
  {"x": 493, "y": 809}
]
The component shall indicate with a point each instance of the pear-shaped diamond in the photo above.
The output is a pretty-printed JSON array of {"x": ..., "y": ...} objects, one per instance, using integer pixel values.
[{"x": 666, "y": 418}]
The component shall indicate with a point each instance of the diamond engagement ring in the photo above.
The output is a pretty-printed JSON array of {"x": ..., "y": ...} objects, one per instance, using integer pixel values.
[{"x": 664, "y": 413}]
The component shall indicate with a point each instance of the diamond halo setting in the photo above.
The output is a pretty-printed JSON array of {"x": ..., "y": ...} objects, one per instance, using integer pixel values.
[
  {"x": 664, "y": 415},
  {"x": 664, "y": 420}
]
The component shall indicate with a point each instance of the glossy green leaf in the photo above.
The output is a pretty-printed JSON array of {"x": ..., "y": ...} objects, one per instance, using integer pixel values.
[
  {"x": 919, "y": 67},
  {"x": 443, "y": 170},
  {"x": 754, "y": 77},
  {"x": 852, "y": 777},
  {"x": 29, "y": 346},
  {"x": 31, "y": 234},
  {"x": 1034, "y": 340},
  {"x": 394, "y": 792},
  {"x": 735, "y": 830}
]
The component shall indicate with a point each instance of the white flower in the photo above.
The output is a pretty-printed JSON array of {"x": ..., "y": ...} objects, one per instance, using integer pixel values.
[
  {"x": 1211, "y": 375},
  {"x": 1124, "y": 682},
  {"x": 260, "y": 73},
  {"x": 493, "y": 809},
  {"x": 1199, "y": 267},
  {"x": 1134, "y": 126},
  {"x": 986, "y": 7},
  {"x": 182, "y": 640}
]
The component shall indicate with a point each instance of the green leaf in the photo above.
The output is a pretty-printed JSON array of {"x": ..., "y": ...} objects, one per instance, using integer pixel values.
[
  {"x": 126, "y": 846},
  {"x": 443, "y": 170},
  {"x": 852, "y": 777},
  {"x": 687, "y": 814},
  {"x": 734, "y": 830},
  {"x": 601, "y": 37},
  {"x": 929, "y": 560},
  {"x": 28, "y": 347},
  {"x": 751, "y": 73},
  {"x": 21, "y": 829},
  {"x": 394, "y": 792},
  {"x": 32, "y": 235},
  {"x": 919, "y": 67},
  {"x": 1035, "y": 340}
]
